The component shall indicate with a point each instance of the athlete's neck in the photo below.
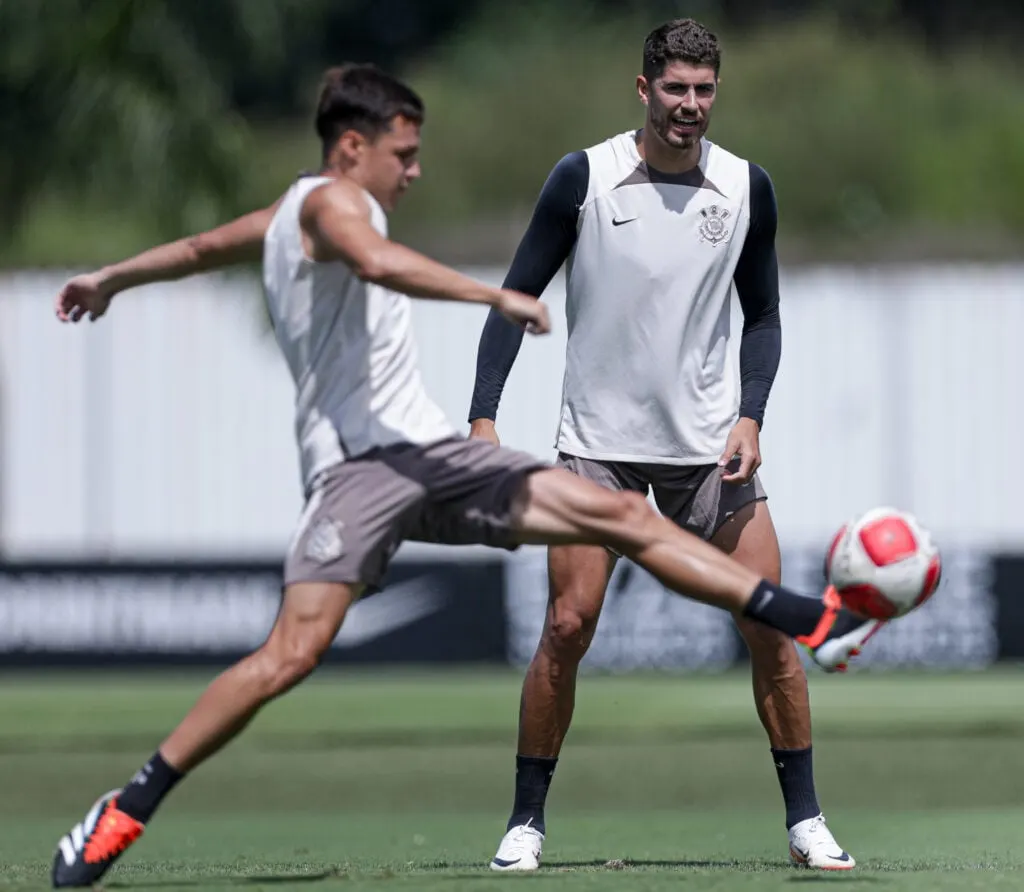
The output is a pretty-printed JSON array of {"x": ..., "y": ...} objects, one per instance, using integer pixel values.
[
  {"x": 340, "y": 169},
  {"x": 664, "y": 158},
  {"x": 355, "y": 174},
  {"x": 352, "y": 172}
]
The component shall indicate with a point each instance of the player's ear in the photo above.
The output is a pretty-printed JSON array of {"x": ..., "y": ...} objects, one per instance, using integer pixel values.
[
  {"x": 643, "y": 89},
  {"x": 351, "y": 147}
]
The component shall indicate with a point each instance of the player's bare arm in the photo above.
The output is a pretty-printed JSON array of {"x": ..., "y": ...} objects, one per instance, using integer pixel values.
[
  {"x": 240, "y": 241},
  {"x": 336, "y": 222}
]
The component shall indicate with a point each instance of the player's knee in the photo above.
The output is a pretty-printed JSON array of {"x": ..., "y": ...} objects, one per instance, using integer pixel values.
[
  {"x": 627, "y": 517},
  {"x": 634, "y": 510},
  {"x": 568, "y": 634},
  {"x": 297, "y": 664},
  {"x": 289, "y": 659}
]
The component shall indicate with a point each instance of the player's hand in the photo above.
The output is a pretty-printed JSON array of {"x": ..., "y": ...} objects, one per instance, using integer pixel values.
[
  {"x": 83, "y": 296},
  {"x": 483, "y": 429},
  {"x": 744, "y": 442},
  {"x": 524, "y": 310}
]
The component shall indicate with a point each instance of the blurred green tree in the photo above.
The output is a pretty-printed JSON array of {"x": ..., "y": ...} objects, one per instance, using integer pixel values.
[
  {"x": 134, "y": 108},
  {"x": 115, "y": 102},
  {"x": 122, "y": 121}
]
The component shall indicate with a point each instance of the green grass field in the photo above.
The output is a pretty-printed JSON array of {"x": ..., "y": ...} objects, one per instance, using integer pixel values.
[{"x": 404, "y": 781}]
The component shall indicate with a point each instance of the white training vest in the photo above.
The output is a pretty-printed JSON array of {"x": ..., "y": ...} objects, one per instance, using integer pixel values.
[
  {"x": 349, "y": 346},
  {"x": 651, "y": 372}
]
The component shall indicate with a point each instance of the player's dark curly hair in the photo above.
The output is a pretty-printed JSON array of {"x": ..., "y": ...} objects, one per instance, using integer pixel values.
[
  {"x": 681, "y": 40},
  {"x": 363, "y": 98}
]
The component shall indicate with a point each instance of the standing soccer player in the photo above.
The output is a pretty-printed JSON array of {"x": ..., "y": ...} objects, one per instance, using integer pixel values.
[
  {"x": 380, "y": 462},
  {"x": 659, "y": 226}
]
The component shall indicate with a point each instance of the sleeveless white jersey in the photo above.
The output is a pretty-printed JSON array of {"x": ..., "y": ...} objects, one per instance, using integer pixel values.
[
  {"x": 349, "y": 347},
  {"x": 650, "y": 369}
]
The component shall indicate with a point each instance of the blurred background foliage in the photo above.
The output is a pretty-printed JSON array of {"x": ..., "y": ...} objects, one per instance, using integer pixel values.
[{"x": 893, "y": 129}]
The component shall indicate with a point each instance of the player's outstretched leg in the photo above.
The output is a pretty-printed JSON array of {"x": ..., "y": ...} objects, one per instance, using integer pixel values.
[
  {"x": 309, "y": 619},
  {"x": 781, "y": 696},
  {"x": 560, "y": 508},
  {"x": 577, "y": 579}
]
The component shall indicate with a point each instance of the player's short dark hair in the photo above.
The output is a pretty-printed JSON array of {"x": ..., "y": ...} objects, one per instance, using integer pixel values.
[
  {"x": 681, "y": 40},
  {"x": 362, "y": 98}
]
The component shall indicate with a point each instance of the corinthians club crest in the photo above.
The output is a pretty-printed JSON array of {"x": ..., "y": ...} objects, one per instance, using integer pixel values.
[
  {"x": 712, "y": 224},
  {"x": 325, "y": 543}
]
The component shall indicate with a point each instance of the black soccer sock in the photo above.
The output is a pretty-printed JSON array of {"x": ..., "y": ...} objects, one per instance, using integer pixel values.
[
  {"x": 784, "y": 610},
  {"x": 533, "y": 777},
  {"x": 796, "y": 777},
  {"x": 140, "y": 798}
]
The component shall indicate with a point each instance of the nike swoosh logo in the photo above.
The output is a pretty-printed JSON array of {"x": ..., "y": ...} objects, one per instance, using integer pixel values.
[
  {"x": 501, "y": 862},
  {"x": 387, "y": 612},
  {"x": 617, "y": 222}
]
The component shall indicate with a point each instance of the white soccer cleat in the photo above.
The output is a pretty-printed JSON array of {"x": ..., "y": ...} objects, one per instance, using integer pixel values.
[
  {"x": 839, "y": 635},
  {"x": 835, "y": 653},
  {"x": 519, "y": 849},
  {"x": 811, "y": 844}
]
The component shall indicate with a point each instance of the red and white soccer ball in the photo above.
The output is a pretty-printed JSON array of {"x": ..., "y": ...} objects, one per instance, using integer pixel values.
[{"x": 883, "y": 564}]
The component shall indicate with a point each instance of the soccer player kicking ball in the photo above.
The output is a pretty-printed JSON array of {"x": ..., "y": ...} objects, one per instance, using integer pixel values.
[
  {"x": 380, "y": 463},
  {"x": 659, "y": 226}
]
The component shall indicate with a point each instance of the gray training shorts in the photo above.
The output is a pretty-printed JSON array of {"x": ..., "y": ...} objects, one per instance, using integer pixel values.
[
  {"x": 693, "y": 496},
  {"x": 454, "y": 492}
]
